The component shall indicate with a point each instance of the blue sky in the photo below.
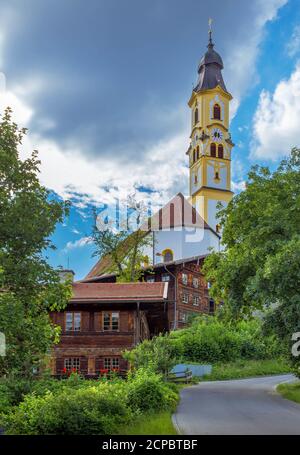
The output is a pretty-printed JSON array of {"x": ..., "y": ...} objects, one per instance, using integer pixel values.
[{"x": 103, "y": 88}]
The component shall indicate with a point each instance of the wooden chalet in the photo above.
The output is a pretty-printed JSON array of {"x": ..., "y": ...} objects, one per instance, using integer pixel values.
[{"x": 104, "y": 319}]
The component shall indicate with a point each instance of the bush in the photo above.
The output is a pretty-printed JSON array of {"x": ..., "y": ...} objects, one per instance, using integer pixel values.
[
  {"x": 78, "y": 406},
  {"x": 212, "y": 340},
  {"x": 158, "y": 354},
  {"x": 147, "y": 392},
  {"x": 99, "y": 409}
]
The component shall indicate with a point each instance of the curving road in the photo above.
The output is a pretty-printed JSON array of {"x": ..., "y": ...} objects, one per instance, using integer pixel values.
[{"x": 241, "y": 407}]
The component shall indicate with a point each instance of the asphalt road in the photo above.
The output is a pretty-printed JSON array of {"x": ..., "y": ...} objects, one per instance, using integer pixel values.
[{"x": 241, "y": 407}]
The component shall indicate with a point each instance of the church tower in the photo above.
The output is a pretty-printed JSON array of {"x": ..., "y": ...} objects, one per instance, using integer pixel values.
[{"x": 210, "y": 147}]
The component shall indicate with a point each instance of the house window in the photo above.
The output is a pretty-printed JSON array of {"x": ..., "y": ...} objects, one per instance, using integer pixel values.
[
  {"x": 211, "y": 306},
  {"x": 165, "y": 277},
  {"x": 167, "y": 255},
  {"x": 150, "y": 279},
  {"x": 72, "y": 363},
  {"x": 196, "y": 300},
  {"x": 217, "y": 112},
  {"x": 111, "y": 321},
  {"x": 184, "y": 278},
  {"x": 213, "y": 150},
  {"x": 111, "y": 363},
  {"x": 73, "y": 322},
  {"x": 185, "y": 298},
  {"x": 217, "y": 176},
  {"x": 195, "y": 282},
  {"x": 182, "y": 316},
  {"x": 220, "y": 151},
  {"x": 196, "y": 117}
]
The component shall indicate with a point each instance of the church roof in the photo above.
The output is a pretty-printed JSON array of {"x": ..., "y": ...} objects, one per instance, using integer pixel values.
[
  {"x": 178, "y": 212},
  {"x": 210, "y": 70}
]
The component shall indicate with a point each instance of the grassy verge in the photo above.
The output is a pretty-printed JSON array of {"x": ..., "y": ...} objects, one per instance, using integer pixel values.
[
  {"x": 151, "y": 424},
  {"x": 247, "y": 368},
  {"x": 290, "y": 391}
]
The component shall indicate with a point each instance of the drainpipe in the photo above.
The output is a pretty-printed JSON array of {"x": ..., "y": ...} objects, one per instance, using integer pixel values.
[{"x": 175, "y": 296}]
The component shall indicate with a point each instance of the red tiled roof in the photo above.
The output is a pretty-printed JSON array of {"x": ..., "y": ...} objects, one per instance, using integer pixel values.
[{"x": 118, "y": 292}]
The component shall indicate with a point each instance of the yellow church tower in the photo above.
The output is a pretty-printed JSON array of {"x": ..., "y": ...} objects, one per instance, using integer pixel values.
[{"x": 210, "y": 148}]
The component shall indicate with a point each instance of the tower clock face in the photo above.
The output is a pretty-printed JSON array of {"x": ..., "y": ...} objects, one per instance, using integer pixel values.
[{"x": 217, "y": 135}]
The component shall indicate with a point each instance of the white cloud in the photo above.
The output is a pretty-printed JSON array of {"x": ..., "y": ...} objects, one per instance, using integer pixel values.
[
  {"x": 293, "y": 46},
  {"x": 276, "y": 121},
  {"x": 240, "y": 68},
  {"x": 78, "y": 243},
  {"x": 162, "y": 167}
]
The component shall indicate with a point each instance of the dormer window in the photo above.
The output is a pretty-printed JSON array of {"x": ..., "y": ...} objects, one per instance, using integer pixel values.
[
  {"x": 213, "y": 150},
  {"x": 196, "y": 116},
  {"x": 217, "y": 112},
  {"x": 220, "y": 151}
]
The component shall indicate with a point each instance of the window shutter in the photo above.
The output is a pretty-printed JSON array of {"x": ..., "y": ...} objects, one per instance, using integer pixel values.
[{"x": 98, "y": 321}]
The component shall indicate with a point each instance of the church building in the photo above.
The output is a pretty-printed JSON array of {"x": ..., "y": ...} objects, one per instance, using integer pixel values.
[{"x": 103, "y": 317}]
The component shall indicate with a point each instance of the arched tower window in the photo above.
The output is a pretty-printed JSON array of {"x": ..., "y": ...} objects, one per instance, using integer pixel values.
[
  {"x": 194, "y": 156},
  {"x": 196, "y": 117},
  {"x": 217, "y": 112},
  {"x": 220, "y": 151},
  {"x": 213, "y": 150},
  {"x": 167, "y": 255},
  {"x": 198, "y": 155}
]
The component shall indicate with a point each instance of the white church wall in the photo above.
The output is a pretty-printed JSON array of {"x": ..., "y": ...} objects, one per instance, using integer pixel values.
[{"x": 185, "y": 243}]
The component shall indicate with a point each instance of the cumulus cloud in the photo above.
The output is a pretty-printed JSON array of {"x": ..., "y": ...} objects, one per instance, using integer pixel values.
[
  {"x": 276, "y": 120},
  {"x": 243, "y": 49},
  {"x": 80, "y": 243},
  {"x": 107, "y": 114}
]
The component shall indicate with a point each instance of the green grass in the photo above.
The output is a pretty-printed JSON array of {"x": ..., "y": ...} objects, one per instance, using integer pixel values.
[
  {"x": 246, "y": 369},
  {"x": 290, "y": 391},
  {"x": 151, "y": 424}
]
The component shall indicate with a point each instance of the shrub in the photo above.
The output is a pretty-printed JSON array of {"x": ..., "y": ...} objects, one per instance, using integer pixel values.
[
  {"x": 159, "y": 354},
  {"x": 212, "y": 340},
  {"x": 99, "y": 409},
  {"x": 147, "y": 392}
]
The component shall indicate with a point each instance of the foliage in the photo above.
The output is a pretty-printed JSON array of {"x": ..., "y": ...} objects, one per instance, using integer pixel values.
[
  {"x": 212, "y": 340},
  {"x": 97, "y": 409},
  {"x": 240, "y": 368},
  {"x": 260, "y": 266},
  {"x": 79, "y": 406},
  {"x": 290, "y": 391},
  {"x": 30, "y": 287},
  {"x": 150, "y": 423},
  {"x": 159, "y": 354},
  {"x": 147, "y": 392},
  {"x": 208, "y": 339},
  {"x": 121, "y": 246}
]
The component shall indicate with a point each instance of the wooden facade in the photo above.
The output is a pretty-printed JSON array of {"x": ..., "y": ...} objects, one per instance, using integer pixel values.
[
  {"x": 96, "y": 330},
  {"x": 105, "y": 318}
]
